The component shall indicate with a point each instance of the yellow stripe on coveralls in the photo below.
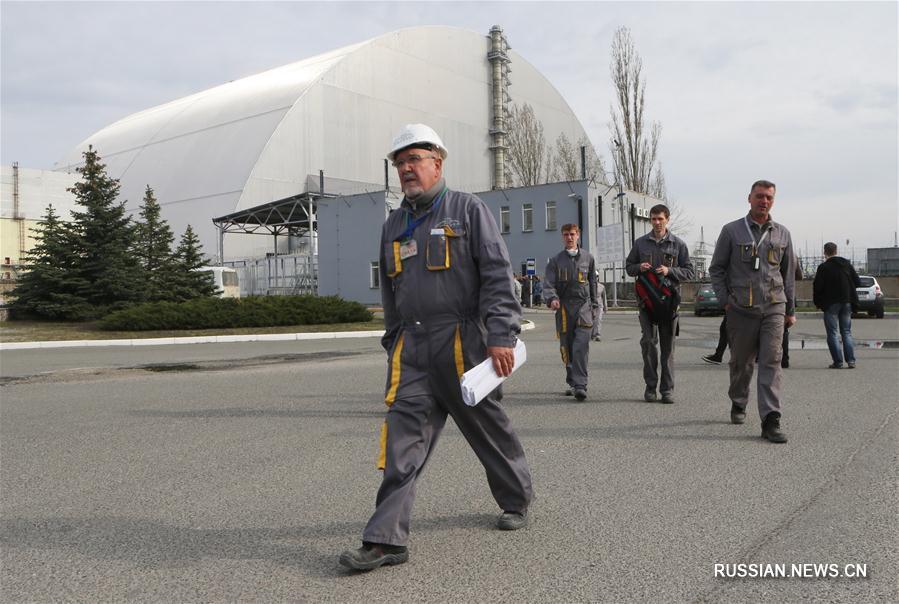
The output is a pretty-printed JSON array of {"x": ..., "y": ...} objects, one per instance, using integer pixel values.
[
  {"x": 564, "y": 320},
  {"x": 390, "y": 398},
  {"x": 394, "y": 372},
  {"x": 382, "y": 456},
  {"x": 460, "y": 361}
]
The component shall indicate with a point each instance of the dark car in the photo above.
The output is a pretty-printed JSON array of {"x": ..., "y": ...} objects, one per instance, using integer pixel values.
[
  {"x": 706, "y": 302},
  {"x": 870, "y": 297}
]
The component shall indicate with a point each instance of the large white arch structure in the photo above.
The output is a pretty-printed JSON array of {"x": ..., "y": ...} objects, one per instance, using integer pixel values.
[{"x": 260, "y": 138}]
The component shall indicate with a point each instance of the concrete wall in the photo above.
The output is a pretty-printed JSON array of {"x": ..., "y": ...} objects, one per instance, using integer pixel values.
[{"x": 351, "y": 235}]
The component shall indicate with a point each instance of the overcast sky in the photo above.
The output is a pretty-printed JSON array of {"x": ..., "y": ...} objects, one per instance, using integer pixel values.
[{"x": 803, "y": 94}]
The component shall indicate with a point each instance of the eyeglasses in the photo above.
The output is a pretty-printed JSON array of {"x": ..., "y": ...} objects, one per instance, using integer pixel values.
[{"x": 412, "y": 160}]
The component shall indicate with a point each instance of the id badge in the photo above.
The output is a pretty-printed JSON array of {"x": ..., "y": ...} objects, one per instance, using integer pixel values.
[
  {"x": 755, "y": 263},
  {"x": 408, "y": 249}
]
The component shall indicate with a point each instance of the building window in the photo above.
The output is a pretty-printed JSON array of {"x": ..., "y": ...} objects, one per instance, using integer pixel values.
[
  {"x": 550, "y": 216},
  {"x": 527, "y": 217},
  {"x": 374, "y": 275},
  {"x": 505, "y": 225}
]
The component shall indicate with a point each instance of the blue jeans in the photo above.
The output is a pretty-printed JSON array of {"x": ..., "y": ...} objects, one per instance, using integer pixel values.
[{"x": 838, "y": 317}]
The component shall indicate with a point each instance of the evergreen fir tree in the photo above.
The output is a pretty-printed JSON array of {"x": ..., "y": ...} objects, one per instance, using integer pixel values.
[
  {"x": 153, "y": 248},
  {"x": 187, "y": 282},
  {"x": 104, "y": 237},
  {"x": 47, "y": 288}
]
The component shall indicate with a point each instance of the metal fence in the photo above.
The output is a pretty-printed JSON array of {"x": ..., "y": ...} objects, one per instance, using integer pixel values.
[{"x": 272, "y": 275}]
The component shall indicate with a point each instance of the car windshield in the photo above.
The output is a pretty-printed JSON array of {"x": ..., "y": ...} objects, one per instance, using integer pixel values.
[{"x": 866, "y": 281}]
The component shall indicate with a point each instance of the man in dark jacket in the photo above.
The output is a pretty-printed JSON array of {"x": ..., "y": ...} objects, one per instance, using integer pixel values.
[{"x": 835, "y": 294}]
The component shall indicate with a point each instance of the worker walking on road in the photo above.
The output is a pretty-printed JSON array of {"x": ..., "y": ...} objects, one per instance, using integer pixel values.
[
  {"x": 665, "y": 255},
  {"x": 569, "y": 288},
  {"x": 446, "y": 289},
  {"x": 753, "y": 276}
]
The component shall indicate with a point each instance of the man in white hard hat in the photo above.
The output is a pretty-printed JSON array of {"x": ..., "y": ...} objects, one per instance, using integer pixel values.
[{"x": 446, "y": 289}]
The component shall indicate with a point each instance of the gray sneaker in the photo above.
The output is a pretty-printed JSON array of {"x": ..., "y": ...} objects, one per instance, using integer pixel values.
[
  {"x": 512, "y": 521},
  {"x": 580, "y": 394},
  {"x": 649, "y": 395},
  {"x": 667, "y": 398}
]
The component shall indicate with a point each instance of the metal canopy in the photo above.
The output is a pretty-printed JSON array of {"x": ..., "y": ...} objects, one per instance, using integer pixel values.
[{"x": 291, "y": 215}]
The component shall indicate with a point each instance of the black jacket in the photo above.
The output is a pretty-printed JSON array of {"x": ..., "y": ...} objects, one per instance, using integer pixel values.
[{"x": 835, "y": 283}]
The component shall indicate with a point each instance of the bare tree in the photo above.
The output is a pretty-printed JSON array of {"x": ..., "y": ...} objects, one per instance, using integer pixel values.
[
  {"x": 567, "y": 160},
  {"x": 528, "y": 152},
  {"x": 679, "y": 221},
  {"x": 634, "y": 149},
  {"x": 596, "y": 167}
]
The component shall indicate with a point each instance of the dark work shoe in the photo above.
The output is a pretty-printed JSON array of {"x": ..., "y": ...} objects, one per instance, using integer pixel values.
[
  {"x": 569, "y": 392},
  {"x": 835, "y": 366},
  {"x": 737, "y": 415},
  {"x": 771, "y": 428},
  {"x": 785, "y": 363},
  {"x": 667, "y": 398},
  {"x": 512, "y": 521},
  {"x": 649, "y": 395},
  {"x": 712, "y": 359},
  {"x": 372, "y": 555},
  {"x": 580, "y": 394}
]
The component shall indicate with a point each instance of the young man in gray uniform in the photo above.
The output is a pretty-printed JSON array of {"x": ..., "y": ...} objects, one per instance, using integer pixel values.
[
  {"x": 753, "y": 276},
  {"x": 665, "y": 254},
  {"x": 446, "y": 289},
  {"x": 569, "y": 288}
]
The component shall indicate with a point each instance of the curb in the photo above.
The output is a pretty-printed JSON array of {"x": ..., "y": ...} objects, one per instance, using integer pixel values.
[{"x": 273, "y": 337}]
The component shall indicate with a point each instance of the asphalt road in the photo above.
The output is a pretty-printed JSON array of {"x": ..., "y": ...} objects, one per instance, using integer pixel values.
[{"x": 240, "y": 471}]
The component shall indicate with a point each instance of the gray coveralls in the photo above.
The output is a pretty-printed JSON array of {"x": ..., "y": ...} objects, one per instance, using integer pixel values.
[
  {"x": 758, "y": 300},
  {"x": 572, "y": 280},
  {"x": 442, "y": 307},
  {"x": 672, "y": 252}
]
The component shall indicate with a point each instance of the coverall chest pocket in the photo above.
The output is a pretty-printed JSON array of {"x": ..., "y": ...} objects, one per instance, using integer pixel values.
[
  {"x": 439, "y": 253},
  {"x": 775, "y": 253},
  {"x": 668, "y": 259},
  {"x": 746, "y": 250}
]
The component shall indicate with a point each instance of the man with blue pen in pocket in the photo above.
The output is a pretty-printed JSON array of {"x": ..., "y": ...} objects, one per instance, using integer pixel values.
[{"x": 449, "y": 304}]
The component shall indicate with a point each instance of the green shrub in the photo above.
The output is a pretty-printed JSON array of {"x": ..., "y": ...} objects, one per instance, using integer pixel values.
[{"x": 254, "y": 311}]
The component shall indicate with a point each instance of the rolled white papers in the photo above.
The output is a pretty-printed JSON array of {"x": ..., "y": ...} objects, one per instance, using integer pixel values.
[{"x": 481, "y": 380}]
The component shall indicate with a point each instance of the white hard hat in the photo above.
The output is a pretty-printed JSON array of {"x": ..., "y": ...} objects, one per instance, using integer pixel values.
[{"x": 412, "y": 134}]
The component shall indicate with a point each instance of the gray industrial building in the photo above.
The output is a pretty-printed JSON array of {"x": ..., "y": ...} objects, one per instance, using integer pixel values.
[
  {"x": 883, "y": 260},
  {"x": 529, "y": 219}
]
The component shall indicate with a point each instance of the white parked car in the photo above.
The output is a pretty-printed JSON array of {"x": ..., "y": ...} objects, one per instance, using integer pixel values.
[{"x": 870, "y": 297}]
